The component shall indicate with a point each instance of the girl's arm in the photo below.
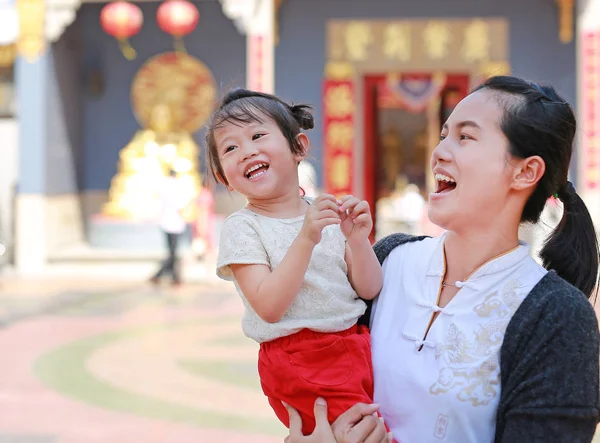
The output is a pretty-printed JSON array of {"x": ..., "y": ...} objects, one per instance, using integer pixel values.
[
  {"x": 364, "y": 270},
  {"x": 270, "y": 292}
]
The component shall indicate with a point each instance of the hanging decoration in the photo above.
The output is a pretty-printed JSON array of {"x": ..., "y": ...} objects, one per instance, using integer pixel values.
[
  {"x": 412, "y": 92},
  {"x": 177, "y": 18},
  {"x": 122, "y": 20}
]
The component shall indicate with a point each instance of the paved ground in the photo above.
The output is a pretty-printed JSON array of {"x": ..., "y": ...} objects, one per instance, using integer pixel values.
[
  {"x": 91, "y": 361},
  {"x": 101, "y": 360}
]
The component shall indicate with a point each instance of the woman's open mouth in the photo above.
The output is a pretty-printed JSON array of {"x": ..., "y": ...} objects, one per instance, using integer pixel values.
[
  {"x": 444, "y": 184},
  {"x": 256, "y": 170}
]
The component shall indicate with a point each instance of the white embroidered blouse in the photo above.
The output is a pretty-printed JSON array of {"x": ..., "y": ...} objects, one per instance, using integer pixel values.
[
  {"x": 444, "y": 387},
  {"x": 326, "y": 301}
]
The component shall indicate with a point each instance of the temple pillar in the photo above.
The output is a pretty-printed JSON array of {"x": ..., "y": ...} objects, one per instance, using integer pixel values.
[
  {"x": 30, "y": 213},
  {"x": 257, "y": 20}
]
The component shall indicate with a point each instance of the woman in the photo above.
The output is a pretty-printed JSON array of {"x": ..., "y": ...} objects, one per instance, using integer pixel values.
[{"x": 472, "y": 340}]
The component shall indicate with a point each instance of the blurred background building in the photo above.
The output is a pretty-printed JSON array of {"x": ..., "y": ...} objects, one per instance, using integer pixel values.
[{"x": 98, "y": 101}]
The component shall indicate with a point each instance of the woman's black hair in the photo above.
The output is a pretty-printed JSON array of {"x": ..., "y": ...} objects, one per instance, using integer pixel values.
[
  {"x": 242, "y": 106},
  {"x": 537, "y": 121}
]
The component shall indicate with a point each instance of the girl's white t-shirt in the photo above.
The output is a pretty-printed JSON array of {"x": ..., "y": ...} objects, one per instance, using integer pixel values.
[
  {"x": 444, "y": 387},
  {"x": 326, "y": 301}
]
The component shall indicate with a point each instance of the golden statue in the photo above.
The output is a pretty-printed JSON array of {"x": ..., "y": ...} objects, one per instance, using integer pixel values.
[{"x": 172, "y": 96}]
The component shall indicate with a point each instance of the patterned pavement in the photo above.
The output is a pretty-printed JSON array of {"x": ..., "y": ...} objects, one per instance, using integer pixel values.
[{"x": 98, "y": 361}]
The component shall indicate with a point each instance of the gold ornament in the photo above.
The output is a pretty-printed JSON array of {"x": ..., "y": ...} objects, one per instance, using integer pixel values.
[
  {"x": 339, "y": 71},
  {"x": 172, "y": 96},
  {"x": 339, "y": 101},
  {"x": 565, "y": 8},
  {"x": 340, "y": 135},
  {"x": 180, "y": 81},
  {"x": 31, "y": 41},
  {"x": 8, "y": 54},
  {"x": 437, "y": 37},
  {"x": 358, "y": 38},
  {"x": 493, "y": 68},
  {"x": 340, "y": 172},
  {"x": 476, "y": 43},
  {"x": 397, "y": 42}
]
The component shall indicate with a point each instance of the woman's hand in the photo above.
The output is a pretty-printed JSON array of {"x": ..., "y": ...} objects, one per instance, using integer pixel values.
[
  {"x": 322, "y": 432},
  {"x": 360, "y": 424}
]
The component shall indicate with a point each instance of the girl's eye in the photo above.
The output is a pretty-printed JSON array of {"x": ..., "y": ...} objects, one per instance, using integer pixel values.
[
  {"x": 465, "y": 137},
  {"x": 229, "y": 148},
  {"x": 257, "y": 136},
  {"x": 442, "y": 137}
]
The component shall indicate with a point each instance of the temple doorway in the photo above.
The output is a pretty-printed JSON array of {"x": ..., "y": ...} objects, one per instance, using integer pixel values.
[{"x": 403, "y": 118}]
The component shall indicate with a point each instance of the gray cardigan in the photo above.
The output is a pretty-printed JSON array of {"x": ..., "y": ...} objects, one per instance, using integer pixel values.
[{"x": 548, "y": 360}]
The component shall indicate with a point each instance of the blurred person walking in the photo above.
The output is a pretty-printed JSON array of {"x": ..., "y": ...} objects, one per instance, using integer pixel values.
[{"x": 173, "y": 200}]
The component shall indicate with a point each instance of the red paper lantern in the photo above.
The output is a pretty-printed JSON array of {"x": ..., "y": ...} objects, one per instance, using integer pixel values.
[
  {"x": 122, "y": 20},
  {"x": 178, "y": 18}
]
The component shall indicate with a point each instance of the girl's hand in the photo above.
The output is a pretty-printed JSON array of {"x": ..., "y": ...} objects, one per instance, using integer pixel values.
[
  {"x": 356, "y": 218},
  {"x": 360, "y": 424},
  {"x": 322, "y": 432},
  {"x": 322, "y": 212}
]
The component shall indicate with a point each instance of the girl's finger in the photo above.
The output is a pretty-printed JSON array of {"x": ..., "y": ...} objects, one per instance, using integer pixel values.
[
  {"x": 362, "y": 219},
  {"x": 327, "y": 213},
  {"x": 327, "y": 222},
  {"x": 361, "y": 207},
  {"x": 349, "y": 204}
]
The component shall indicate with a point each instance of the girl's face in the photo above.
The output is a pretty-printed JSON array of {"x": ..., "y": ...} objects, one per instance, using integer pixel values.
[
  {"x": 257, "y": 160},
  {"x": 471, "y": 165}
]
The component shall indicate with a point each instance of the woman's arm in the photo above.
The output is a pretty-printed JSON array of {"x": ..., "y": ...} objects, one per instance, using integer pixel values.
[{"x": 550, "y": 371}]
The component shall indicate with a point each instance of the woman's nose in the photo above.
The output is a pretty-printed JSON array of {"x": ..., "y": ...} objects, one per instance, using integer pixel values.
[{"x": 441, "y": 152}]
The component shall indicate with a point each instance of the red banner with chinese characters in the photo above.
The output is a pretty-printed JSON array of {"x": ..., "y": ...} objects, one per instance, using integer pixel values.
[
  {"x": 338, "y": 136},
  {"x": 590, "y": 143}
]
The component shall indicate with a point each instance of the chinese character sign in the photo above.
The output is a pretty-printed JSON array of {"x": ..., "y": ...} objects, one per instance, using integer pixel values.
[
  {"x": 339, "y": 135},
  {"x": 590, "y": 125}
]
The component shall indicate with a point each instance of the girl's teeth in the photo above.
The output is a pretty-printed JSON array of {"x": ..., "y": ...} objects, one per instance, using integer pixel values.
[{"x": 257, "y": 175}]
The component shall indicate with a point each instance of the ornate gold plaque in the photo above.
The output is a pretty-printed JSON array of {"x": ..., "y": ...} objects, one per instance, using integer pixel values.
[{"x": 178, "y": 81}]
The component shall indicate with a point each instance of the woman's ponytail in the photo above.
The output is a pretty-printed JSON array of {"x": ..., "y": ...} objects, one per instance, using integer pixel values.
[{"x": 572, "y": 248}]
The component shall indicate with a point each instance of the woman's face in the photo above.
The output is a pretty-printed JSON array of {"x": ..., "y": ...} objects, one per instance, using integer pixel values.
[{"x": 471, "y": 165}]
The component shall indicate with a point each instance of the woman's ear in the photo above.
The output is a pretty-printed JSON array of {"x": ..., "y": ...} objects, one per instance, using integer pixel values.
[
  {"x": 528, "y": 173},
  {"x": 304, "y": 142}
]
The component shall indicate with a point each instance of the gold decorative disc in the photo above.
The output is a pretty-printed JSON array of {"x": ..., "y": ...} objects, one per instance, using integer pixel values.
[{"x": 178, "y": 81}]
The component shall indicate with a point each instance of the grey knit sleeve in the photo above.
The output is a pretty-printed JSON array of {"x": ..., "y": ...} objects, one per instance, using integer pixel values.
[{"x": 549, "y": 368}]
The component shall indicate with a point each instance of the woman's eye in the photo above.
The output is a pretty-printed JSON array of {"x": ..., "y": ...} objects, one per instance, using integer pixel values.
[
  {"x": 257, "y": 136},
  {"x": 442, "y": 137},
  {"x": 465, "y": 137}
]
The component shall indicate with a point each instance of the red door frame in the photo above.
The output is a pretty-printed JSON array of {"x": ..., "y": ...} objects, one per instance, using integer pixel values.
[
  {"x": 370, "y": 83},
  {"x": 370, "y": 122}
]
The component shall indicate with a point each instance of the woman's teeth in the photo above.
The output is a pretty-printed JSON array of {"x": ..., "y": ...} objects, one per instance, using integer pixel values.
[{"x": 444, "y": 178}]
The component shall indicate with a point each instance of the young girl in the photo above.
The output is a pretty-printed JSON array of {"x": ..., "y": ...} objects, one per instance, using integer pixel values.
[{"x": 301, "y": 266}]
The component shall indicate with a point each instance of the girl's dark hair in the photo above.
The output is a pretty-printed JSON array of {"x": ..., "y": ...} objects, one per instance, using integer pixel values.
[
  {"x": 537, "y": 121},
  {"x": 242, "y": 106}
]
